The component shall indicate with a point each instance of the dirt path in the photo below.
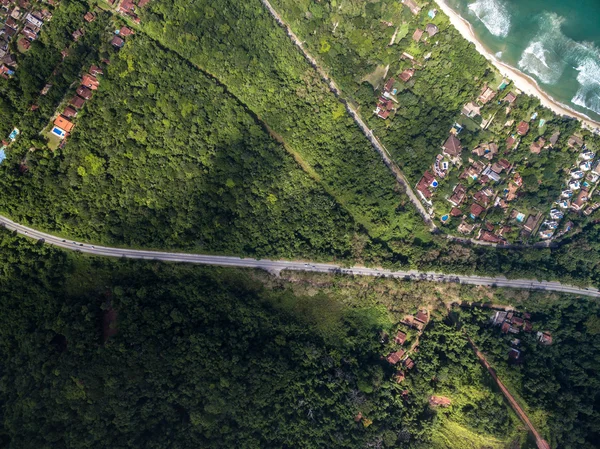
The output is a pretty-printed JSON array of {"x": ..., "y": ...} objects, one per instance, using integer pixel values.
[{"x": 541, "y": 443}]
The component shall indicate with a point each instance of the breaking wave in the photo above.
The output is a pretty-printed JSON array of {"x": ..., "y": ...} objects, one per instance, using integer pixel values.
[
  {"x": 550, "y": 53},
  {"x": 494, "y": 15},
  {"x": 542, "y": 57},
  {"x": 588, "y": 95}
]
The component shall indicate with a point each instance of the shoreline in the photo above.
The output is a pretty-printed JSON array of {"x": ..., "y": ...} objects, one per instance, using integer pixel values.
[{"x": 521, "y": 81}]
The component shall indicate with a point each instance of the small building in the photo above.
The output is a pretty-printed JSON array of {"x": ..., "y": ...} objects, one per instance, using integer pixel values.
[
  {"x": 456, "y": 212},
  {"x": 487, "y": 236},
  {"x": 126, "y": 31},
  {"x": 90, "y": 81},
  {"x": 452, "y": 146},
  {"x": 417, "y": 34},
  {"x": 554, "y": 138},
  {"x": 505, "y": 327},
  {"x": 89, "y": 16},
  {"x": 487, "y": 95},
  {"x": 471, "y": 110},
  {"x": 95, "y": 70},
  {"x": 412, "y": 5},
  {"x": 35, "y": 21},
  {"x": 511, "y": 142},
  {"x": 409, "y": 364},
  {"x": 69, "y": 112},
  {"x": 476, "y": 210},
  {"x": 510, "y": 98},
  {"x": 439, "y": 401},
  {"x": 407, "y": 74},
  {"x": 465, "y": 228},
  {"x": 580, "y": 200},
  {"x": 514, "y": 354},
  {"x": 431, "y": 29},
  {"x": 84, "y": 92},
  {"x": 425, "y": 184},
  {"x": 422, "y": 316},
  {"x": 523, "y": 128},
  {"x": 544, "y": 338},
  {"x": 117, "y": 42},
  {"x": 575, "y": 141},
  {"x": 537, "y": 146},
  {"x": 458, "y": 195},
  {"x": 77, "y": 102},
  {"x": 78, "y": 34},
  {"x": 399, "y": 376},
  {"x": 395, "y": 357},
  {"x": 64, "y": 123},
  {"x": 531, "y": 223},
  {"x": 400, "y": 338}
]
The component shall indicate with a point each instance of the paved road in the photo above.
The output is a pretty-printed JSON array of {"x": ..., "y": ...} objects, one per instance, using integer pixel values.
[{"x": 276, "y": 266}]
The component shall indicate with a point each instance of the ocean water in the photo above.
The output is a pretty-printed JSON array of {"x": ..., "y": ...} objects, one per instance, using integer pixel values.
[{"x": 557, "y": 42}]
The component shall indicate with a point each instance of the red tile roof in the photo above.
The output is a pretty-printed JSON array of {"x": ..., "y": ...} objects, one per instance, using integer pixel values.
[{"x": 523, "y": 128}]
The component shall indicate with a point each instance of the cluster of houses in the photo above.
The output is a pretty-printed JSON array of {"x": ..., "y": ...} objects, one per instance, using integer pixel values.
[
  {"x": 474, "y": 194},
  {"x": 386, "y": 103},
  {"x": 23, "y": 22},
  {"x": 401, "y": 355},
  {"x": 512, "y": 322},
  {"x": 63, "y": 124},
  {"x": 129, "y": 8}
]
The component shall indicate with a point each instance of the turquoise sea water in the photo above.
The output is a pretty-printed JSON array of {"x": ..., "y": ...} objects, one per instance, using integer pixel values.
[{"x": 557, "y": 42}]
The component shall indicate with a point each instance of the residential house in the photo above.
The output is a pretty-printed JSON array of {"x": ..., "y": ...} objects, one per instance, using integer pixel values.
[
  {"x": 531, "y": 223},
  {"x": 89, "y": 16},
  {"x": 417, "y": 34},
  {"x": 523, "y": 128},
  {"x": 30, "y": 33},
  {"x": 24, "y": 43},
  {"x": 491, "y": 174},
  {"x": 424, "y": 185},
  {"x": 554, "y": 138},
  {"x": 511, "y": 143},
  {"x": 456, "y": 212},
  {"x": 117, "y": 42},
  {"x": 395, "y": 357},
  {"x": 35, "y": 21},
  {"x": 384, "y": 108},
  {"x": 95, "y": 70},
  {"x": 514, "y": 354},
  {"x": 452, "y": 146},
  {"x": 492, "y": 150},
  {"x": 84, "y": 92},
  {"x": 575, "y": 141},
  {"x": 510, "y": 98},
  {"x": 70, "y": 112},
  {"x": 487, "y": 95},
  {"x": 412, "y": 5},
  {"x": 487, "y": 236},
  {"x": 77, "y": 102},
  {"x": 537, "y": 146},
  {"x": 544, "y": 338},
  {"x": 458, "y": 195},
  {"x": 409, "y": 364},
  {"x": 399, "y": 377},
  {"x": 471, "y": 110},
  {"x": 476, "y": 210},
  {"x": 127, "y": 6},
  {"x": 126, "y": 31},
  {"x": 389, "y": 85},
  {"x": 482, "y": 198},
  {"x": 400, "y": 338},
  {"x": 422, "y": 316},
  {"x": 580, "y": 200},
  {"x": 90, "y": 81},
  {"x": 12, "y": 23},
  {"x": 143, "y": 3},
  {"x": 407, "y": 75},
  {"x": 465, "y": 228},
  {"x": 431, "y": 29},
  {"x": 78, "y": 34}
]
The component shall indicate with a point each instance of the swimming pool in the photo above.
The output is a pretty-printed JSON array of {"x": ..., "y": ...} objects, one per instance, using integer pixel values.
[
  {"x": 445, "y": 218},
  {"x": 59, "y": 132},
  {"x": 434, "y": 184}
]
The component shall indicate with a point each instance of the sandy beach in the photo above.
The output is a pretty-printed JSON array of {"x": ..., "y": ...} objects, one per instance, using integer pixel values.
[{"x": 521, "y": 81}]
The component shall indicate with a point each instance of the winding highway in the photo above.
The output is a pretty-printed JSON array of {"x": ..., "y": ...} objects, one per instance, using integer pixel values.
[{"x": 276, "y": 266}]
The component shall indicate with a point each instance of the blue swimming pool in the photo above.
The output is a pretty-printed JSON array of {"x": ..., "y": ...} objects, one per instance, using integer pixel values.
[
  {"x": 58, "y": 132},
  {"x": 434, "y": 184},
  {"x": 445, "y": 218}
]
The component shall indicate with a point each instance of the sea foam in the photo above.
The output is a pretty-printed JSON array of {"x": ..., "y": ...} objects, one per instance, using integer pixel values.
[
  {"x": 550, "y": 53},
  {"x": 493, "y": 14},
  {"x": 588, "y": 95},
  {"x": 543, "y": 56}
]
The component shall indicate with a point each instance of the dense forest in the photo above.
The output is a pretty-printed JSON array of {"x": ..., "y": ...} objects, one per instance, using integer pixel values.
[{"x": 108, "y": 353}]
